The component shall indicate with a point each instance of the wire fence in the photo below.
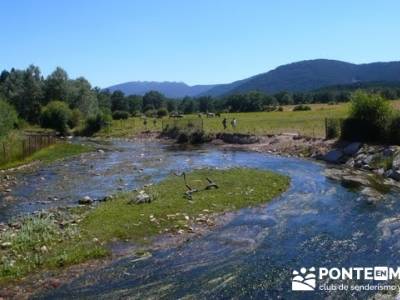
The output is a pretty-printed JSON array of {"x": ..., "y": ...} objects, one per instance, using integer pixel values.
[{"x": 20, "y": 147}]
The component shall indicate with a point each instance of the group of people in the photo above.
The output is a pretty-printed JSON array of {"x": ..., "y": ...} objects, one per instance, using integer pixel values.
[{"x": 225, "y": 123}]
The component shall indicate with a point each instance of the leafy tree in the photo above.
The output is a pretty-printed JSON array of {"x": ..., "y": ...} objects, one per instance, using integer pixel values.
[
  {"x": 118, "y": 101},
  {"x": 172, "y": 105},
  {"x": 8, "y": 118},
  {"x": 135, "y": 103},
  {"x": 82, "y": 97},
  {"x": 56, "y": 86},
  {"x": 206, "y": 104},
  {"x": 103, "y": 99},
  {"x": 153, "y": 100}
]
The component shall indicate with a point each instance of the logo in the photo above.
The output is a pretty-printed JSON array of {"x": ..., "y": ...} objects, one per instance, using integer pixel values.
[
  {"x": 349, "y": 279},
  {"x": 305, "y": 280}
]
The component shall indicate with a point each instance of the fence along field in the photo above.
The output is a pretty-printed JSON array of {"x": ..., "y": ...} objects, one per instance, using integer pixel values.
[{"x": 18, "y": 147}]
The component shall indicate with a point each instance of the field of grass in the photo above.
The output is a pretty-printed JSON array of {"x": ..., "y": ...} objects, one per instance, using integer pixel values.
[
  {"x": 49, "y": 154},
  {"x": 310, "y": 123},
  {"x": 75, "y": 235}
]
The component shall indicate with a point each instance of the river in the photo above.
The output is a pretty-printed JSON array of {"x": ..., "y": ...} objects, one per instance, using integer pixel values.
[{"x": 316, "y": 223}]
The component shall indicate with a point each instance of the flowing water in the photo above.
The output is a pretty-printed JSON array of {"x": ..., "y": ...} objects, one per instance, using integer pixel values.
[{"x": 317, "y": 222}]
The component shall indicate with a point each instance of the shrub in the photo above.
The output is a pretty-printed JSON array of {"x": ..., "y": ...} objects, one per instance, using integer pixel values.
[
  {"x": 56, "y": 115},
  {"x": 301, "y": 107},
  {"x": 371, "y": 108},
  {"x": 96, "y": 123},
  {"x": 333, "y": 127},
  {"x": 76, "y": 117},
  {"x": 162, "y": 112},
  {"x": 150, "y": 113},
  {"x": 280, "y": 108},
  {"x": 120, "y": 115},
  {"x": 8, "y": 118},
  {"x": 370, "y": 118},
  {"x": 394, "y": 130}
]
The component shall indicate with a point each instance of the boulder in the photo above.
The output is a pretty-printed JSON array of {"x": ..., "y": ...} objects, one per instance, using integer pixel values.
[
  {"x": 396, "y": 161},
  {"x": 354, "y": 181},
  {"x": 5, "y": 245},
  {"x": 334, "y": 156},
  {"x": 352, "y": 148},
  {"x": 371, "y": 194},
  {"x": 86, "y": 200},
  {"x": 393, "y": 174},
  {"x": 142, "y": 197}
]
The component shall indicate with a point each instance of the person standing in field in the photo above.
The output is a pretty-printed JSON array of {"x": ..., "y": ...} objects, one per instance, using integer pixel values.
[
  {"x": 234, "y": 123},
  {"x": 224, "y": 123}
]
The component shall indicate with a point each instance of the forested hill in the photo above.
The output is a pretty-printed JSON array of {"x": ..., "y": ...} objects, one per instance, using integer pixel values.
[
  {"x": 169, "y": 89},
  {"x": 310, "y": 75},
  {"x": 300, "y": 76}
]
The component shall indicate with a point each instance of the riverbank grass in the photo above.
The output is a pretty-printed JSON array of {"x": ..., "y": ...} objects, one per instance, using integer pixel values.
[
  {"x": 170, "y": 210},
  {"x": 44, "y": 241},
  {"x": 49, "y": 154}
]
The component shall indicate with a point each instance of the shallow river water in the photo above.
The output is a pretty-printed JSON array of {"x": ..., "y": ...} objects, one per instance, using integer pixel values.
[{"x": 316, "y": 223}]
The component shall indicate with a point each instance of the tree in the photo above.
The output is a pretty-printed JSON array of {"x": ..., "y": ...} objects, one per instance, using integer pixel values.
[
  {"x": 153, "y": 100},
  {"x": 8, "y": 118},
  {"x": 103, "y": 99},
  {"x": 118, "y": 101},
  {"x": 135, "y": 103},
  {"x": 171, "y": 105},
  {"x": 82, "y": 97},
  {"x": 56, "y": 86},
  {"x": 206, "y": 104}
]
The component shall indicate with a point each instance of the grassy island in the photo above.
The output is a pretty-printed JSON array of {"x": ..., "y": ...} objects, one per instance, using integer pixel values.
[{"x": 71, "y": 236}]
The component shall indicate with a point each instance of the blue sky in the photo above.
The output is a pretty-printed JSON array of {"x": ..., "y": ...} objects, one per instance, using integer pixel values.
[{"x": 196, "y": 41}]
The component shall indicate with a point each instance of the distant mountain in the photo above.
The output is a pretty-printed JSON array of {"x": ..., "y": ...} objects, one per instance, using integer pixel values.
[
  {"x": 310, "y": 75},
  {"x": 169, "y": 89},
  {"x": 299, "y": 76}
]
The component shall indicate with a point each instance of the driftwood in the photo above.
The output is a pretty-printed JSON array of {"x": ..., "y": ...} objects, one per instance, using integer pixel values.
[
  {"x": 211, "y": 184},
  {"x": 188, "y": 194}
]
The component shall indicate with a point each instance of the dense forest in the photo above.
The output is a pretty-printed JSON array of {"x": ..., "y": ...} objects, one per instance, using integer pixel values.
[{"x": 62, "y": 103}]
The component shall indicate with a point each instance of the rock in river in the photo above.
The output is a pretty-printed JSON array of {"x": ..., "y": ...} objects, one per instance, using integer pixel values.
[
  {"x": 352, "y": 149},
  {"x": 334, "y": 156},
  {"x": 86, "y": 200}
]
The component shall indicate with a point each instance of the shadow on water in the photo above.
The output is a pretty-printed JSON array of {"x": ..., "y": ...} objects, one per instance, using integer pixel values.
[{"x": 317, "y": 222}]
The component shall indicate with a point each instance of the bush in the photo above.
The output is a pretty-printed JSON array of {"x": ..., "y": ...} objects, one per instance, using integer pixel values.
[
  {"x": 301, "y": 107},
  {"x": 150, "y": 113},
  {"x": 120, "y": 115},
  {"x": 162, "y": 112},
  {"x": 372, "y": 108},
  {"x": 56, "y": 115},
  {"x": 76, "y": 117},
  {"x": 370, "y": 119},
  {"x": 8, "y": 118},
  {"x": 96, "y": 123},
  {"x": 280, "y": 108},
  {"x": 333, "y": 128},
  {"x": 394, "y": 130}
]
